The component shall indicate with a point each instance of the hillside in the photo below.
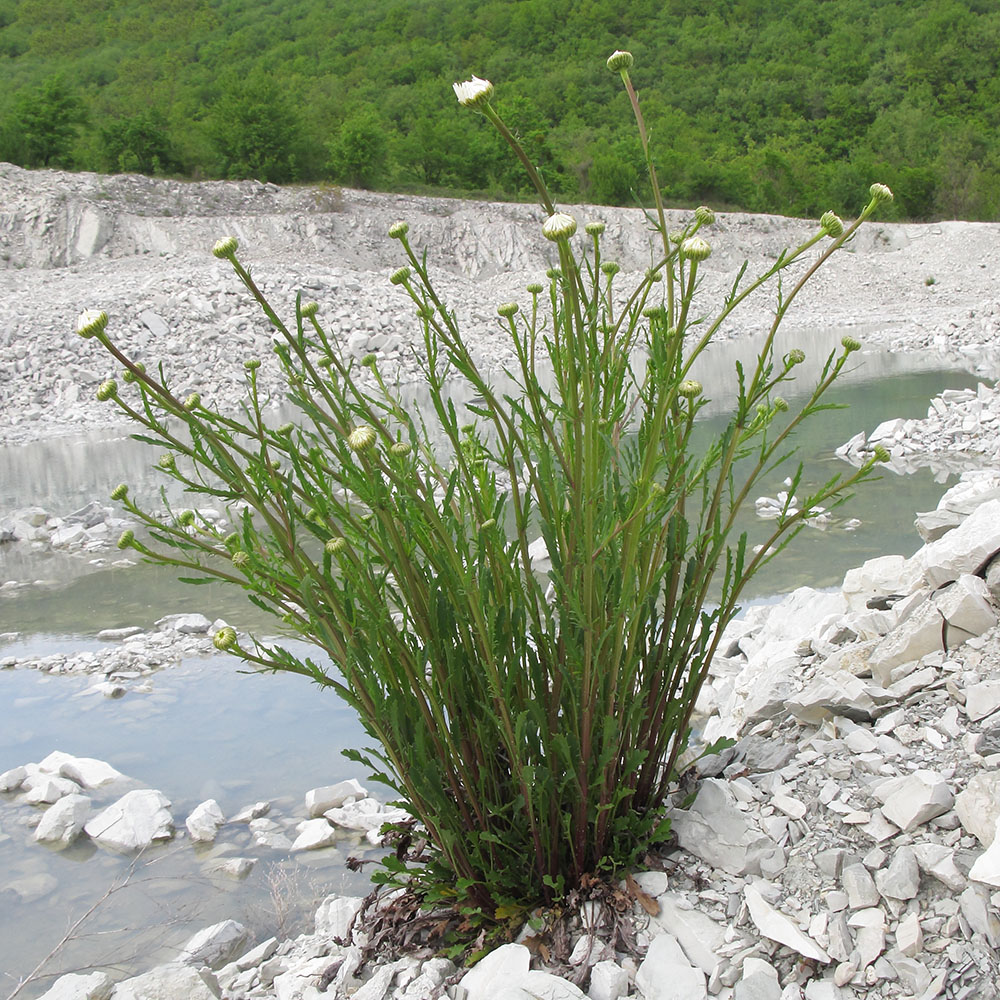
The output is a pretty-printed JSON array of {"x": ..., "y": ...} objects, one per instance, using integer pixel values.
[{"x": 790, "y": 106}]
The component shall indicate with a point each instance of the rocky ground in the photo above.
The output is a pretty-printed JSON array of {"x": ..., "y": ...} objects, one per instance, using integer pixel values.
[
  {"x": 140, "y": 248},
  {"x": 845, "y": 848}
]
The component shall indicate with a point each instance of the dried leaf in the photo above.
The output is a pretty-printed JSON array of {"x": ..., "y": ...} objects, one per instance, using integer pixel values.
[{"x": 650, "y": 905}]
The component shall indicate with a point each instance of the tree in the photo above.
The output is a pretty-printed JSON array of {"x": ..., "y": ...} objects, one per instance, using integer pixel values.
[
  {"x": 254, "y": 131},
  {"x": 358, "y": 154},
  {"x": 137, "y": 144},
  {"x": 44, "y": 124}
]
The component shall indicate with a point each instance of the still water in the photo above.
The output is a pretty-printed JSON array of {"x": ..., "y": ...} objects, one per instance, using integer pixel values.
[{"x": 205, "y": 730}]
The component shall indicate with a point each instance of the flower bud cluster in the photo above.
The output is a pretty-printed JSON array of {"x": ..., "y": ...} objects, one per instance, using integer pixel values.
[
  {"x": 880, "y": 193},
  {"x": 398, "y": 230},
  {"x": 310, "y": 309},
  {"x": 594, "y": 228}
]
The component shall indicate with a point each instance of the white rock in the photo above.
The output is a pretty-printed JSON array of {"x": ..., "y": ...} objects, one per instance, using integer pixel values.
[
  {"x": 963, "y": 549},
  {"x": 214, "y": 946},
  {"x": 538, "y": 985},
  {"x": 135, "y": 821},
  {"x": 839, "y": 693},
  {"x": 694, "y": 930},
  {"x": 314, "y": 834},
  {"x": 938, "y": 861},
  {"x": 757, "y": 985},
  {"x": 716, "y": 830},
  {"x": 64, "y": 820},
  {"x": 608, "y": 981},
  {"x": 75, "y": 986},
  {"x": 909, "y": 936},
  {"x": 976, "y": 909},
  {"x": 666, "y": 974},
  {"x": 45, "y": 788},
  {"x": 901, "y": 880},
  {"x": 501, "y": 967},
  {"x": 10, "y": 781},
  {"x": 191, "y": 624},
  {"x": 778, "y": 927},
  {"x": 978, "y": 805},
  {"x": 861, "y": 890},
  {"x": 204, "y": 822},
  {"x": 987, "y": 866},
  {"x": 166, "y": 982},
  {"x": 319, "y": 800},
  {"x": 920, "y": 797},
  {"x": 878, "y": 577},
  {"x": 982, "y": 699},
  {"x": 29, "y": 888},
  {"x": 88, "y": 772},
  {"x": 235, "y": 867},
  {"x": 334, "y": 916}
]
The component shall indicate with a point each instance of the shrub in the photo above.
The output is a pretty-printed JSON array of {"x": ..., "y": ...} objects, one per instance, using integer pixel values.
[{"x": 520, "y": 617}]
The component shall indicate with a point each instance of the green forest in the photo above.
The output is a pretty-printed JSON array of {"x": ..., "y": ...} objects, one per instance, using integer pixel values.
[{"x": 790, "y": 106}]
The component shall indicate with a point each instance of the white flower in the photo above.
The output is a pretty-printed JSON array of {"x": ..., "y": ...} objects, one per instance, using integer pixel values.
[
  {"x": 559, "y": 226},
  {"x": 91, "y": 322},
  {"x": 473, "y": 93}
]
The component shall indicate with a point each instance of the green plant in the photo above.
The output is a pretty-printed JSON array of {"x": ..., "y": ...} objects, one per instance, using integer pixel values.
[{"x": 521, "y": 617}]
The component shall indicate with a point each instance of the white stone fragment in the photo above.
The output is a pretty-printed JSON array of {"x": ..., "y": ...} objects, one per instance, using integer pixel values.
[
  {"x": 11, "y": 781},
  {"x": 76, "y": 986},
  {"x": 334, "y": 916},
  {"x": 987, "y": 866},
  {"x": 938, "y": 861},
  {"x": 314, "y": 834},
  {"x": 920, "y": 797},
  {"x": 214, "y": 946},
  {"x": 860, "y": 889},
  {"x": 608, "y": 981},
  {"x": 89, "y": 773},
  {"x": 776, "y": 926},
  {"x": 695, "y": 931},
  {"x": 136, "y": 820},
  {"x": 204, "y": 822},
  {"x": 978, "y": 805},
  {"x": 503, "y": 966},
  {"x": 166, "y": 982},
  {"x": 901, "y": 880},
  {"x": 909, "y": 936},
  {"x": 319, "y": 800},
  {"x": 666, "y": 973},
  {"x": 63, "y": 821},
  {"x": 982, "y": 699},
  {"x": 963, "y": 549}
]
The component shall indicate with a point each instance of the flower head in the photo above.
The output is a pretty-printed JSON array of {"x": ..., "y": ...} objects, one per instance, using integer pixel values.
[
  {"x": 594, "y": 228},
  {"x": 192, "y": 402},
  {"x": 534, "y": 288},
  {"x": 167, "y": 462},
  {"x": 780, "y": 404},
  {"x": 507, "y": 309},
  {"x": 361, "y": 439},
  {"x": 398, "y": 230},
  {"x": 130, "y": 376},
  {"x": 400, "y": 275},
  {"x": 553, "y": 274},
  {"x": 310, "y": 309},
  {"x": 335, "y": 545},
  {"x": 473, "y": 93},
  {"x": 879, "y": 192},
  {"x": 226, "y": 248},
  {"x": 119, "y": 492},
  {"x": 126, "y": 539},
  {"x": 795, "y": 357},
  {"x": 831, "y": 224},
  {"x": 400, "y": 449},
  {"x": 91, "y": 322},
  {"x": 851, "y": 344},
  {"x": 251, "y": 364},
  {"x": 695, "y": 249},
  {"x": 369, "y": 361},
  {"x": 240, "y": 558},
  {"x": 559, "y": 226},
  {"x": 881, "y": 453},
  {"x": 225, "y": 638},
  {"x": 653, "y": 275},
  {"x": 704, "y": 215},
  {"x": 620, "y": 61},
  {"x": 689, "y": 388},
  {"x": 610, "y": 268},
  {"x": 107, "y": 390}
]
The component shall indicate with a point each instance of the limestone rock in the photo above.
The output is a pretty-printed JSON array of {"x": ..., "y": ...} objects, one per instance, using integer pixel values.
[
  {"x": 63, "y": 821},
  {"x": 503, "y": 966},
  {"x": 314, "y": 834},
  {"x": 666, "y": 974},
  {"x": 696, "y": 932},
  {"x": 75, "y": 986},
  {"x": 204, "y": 822},
  {"x": 776, "y": 926},
  {"x": 167, "y": 982},
  {"x": 987, "y": 866},
  {"x": 135, "y": 821},
  {"x": 608, "y": 981},
  {"x": 918, "y": 798},
  {"x": 89, "y": 773},
  {"x": 319, "y": 800},
  {"x": 901, "y": 880},
  {"x": 214, "y": 946},
  {"x": 963, "y": 549},
  {"x": 978, "y": 806},
  {"x": 334, "y": 916}
]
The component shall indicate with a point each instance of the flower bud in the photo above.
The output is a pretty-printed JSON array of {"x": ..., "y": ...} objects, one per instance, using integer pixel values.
[
  {"x": 689, "y": 388},
  {"x": 780, "y": 404},
  {"x": 832, "y": 225},
  {"x": 226, "y": 248},
  {"x": 676, "y": 236},
  {"x": 126, "y": 539},
  {"x": 610, "y": 269},
  {"x": 553, "y": 274},
  {"x": 335, "y": 545},
  {"x": 361, "y": 439},
  {"x": 655, "y": 312},
  {"x": 795, "y": 357},
  {"x": 400, "y": 275},
  {"x": 185, "y": 518},
  {"x": 251, "y": 365},
  {"x": 107, "y": 390},
  {"x": 594, "y": 228},
  {"x": 473, "y": 93},
  {"x": 398, "y": 230},
  {"x": 619, "y": 61},
  {"x": 167, "y": 461},
  {"x": 488, "y": 523},
  {"x": 507, "y": 309},
  {"x": 310, "y": 309},
  {"x": 880, "y": 193},
  {"x": 850, "y": 344},
  {"x": 704, "y": 215},
  {"x": 653, "y": 275},
  {"x": 240, "y": 559},
  {"x": 559, "y": 226},
  {"x": 400, "y": 449},
  {"x": 119, "y": 492},
  {"x": 881, "y": 454},
  {"x": 192, "y": 402},
  {"x": 534, "y": 288},
  {"x": 285, "y": 430},
  {"x": 369, "y": 361},
  {"x": 130, "y": 376},
  {"x": 91, "y": 322},
  {"x": 225, "y": 638},
  {"x": 695, "y": 249}
]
